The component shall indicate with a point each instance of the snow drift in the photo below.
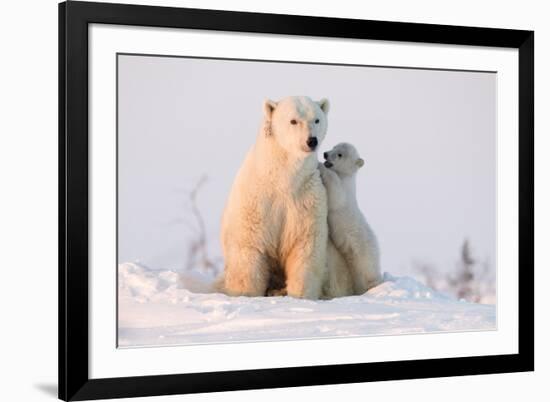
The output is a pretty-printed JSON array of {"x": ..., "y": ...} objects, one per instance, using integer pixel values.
[{"x": 171, "y": 308}]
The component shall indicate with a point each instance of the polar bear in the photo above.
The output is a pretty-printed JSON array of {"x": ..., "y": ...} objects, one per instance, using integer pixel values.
[
  {"x": 274, "y": 224},
  {"x": 349, "y": 231}
]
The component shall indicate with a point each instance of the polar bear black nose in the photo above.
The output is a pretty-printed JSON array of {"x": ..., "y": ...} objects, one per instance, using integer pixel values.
[{"x": 312, "y": 142}]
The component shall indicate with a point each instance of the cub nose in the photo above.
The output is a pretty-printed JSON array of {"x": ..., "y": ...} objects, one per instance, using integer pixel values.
[
  {"x": 312, "y": 142},
  {"x": 325, "y": 155}
]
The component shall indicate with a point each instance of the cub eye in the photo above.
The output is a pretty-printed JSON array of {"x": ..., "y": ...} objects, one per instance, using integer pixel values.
[
  {"x": 339, "y": 155},
  {"x": 293, "y": 121},
  {"x": 316, "y": 121}
]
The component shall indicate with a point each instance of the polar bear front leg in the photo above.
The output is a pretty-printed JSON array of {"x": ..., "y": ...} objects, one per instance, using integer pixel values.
[
  {"x": 365, "y": 264},
  {"x": 246, "y": 273},
  {"x": 336, "y": 194},
  {"x": 305, "y": 267}
]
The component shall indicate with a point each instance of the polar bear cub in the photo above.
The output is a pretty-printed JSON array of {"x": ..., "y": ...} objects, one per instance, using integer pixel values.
[{"x": 348, "y": 228}]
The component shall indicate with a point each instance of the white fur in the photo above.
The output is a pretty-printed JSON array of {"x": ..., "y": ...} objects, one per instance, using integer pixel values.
[
  {"x": 338, "y": 281},
  {"x": 275, "y": 221},
  {"x": 349, "y": 231}
]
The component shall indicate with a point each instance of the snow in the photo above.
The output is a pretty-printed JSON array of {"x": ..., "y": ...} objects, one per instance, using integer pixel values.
[{"x": 161, "y": 307}]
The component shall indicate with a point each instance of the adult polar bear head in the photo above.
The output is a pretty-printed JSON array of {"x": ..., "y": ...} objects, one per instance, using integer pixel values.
[
  {"x": 275, "y": 221},
  {"x": 297, "y": 123}
]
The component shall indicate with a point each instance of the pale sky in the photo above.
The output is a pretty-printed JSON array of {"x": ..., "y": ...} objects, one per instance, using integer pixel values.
[{"x": 428, "y": 139}]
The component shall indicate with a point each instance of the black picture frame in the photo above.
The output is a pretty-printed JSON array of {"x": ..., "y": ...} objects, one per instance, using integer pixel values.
[{"x": 74, "y": 381}]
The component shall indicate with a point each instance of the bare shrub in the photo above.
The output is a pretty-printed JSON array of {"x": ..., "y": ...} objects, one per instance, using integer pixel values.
[
  {"x": 471, "y": 280},
  {"x": 197, "y": 247}
]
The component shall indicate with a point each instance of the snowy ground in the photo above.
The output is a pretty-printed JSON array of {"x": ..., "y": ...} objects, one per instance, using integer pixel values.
[{"x": 157, "y": 308}]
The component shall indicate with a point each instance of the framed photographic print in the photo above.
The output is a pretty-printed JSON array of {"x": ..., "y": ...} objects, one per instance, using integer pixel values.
[{"x": 258, "y": 200}]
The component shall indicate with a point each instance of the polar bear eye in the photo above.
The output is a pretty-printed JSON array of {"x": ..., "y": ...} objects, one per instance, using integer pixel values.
[
  {"x": 293, "y": 121},
  {"x": 339, "y": 155},
  {"x": 316, "y": 121}
]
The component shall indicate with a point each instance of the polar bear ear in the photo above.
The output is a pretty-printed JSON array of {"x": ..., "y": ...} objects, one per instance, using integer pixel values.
[
  {"x": 269, "y": 107},
  {"x": 324, "y": 105},
  {"x": 359, "y": 162}
]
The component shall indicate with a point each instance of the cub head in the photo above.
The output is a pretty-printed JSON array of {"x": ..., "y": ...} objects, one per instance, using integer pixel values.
[
  {"x": 343, "y": 159},
  {"x": 297, "y": 123}
]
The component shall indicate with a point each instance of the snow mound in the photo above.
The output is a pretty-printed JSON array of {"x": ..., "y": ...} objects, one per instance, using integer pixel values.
[
  {"x": 170, "y": 308},
  {"x": 141, "y": 284},
  {"x": 404, "y": 288}
]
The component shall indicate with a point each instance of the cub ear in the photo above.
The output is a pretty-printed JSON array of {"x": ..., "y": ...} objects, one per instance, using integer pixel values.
[
  {"x": 269, "y": 107},
  {"x": 324, "y": 105},
  {"x": 359, "y": 162}
]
